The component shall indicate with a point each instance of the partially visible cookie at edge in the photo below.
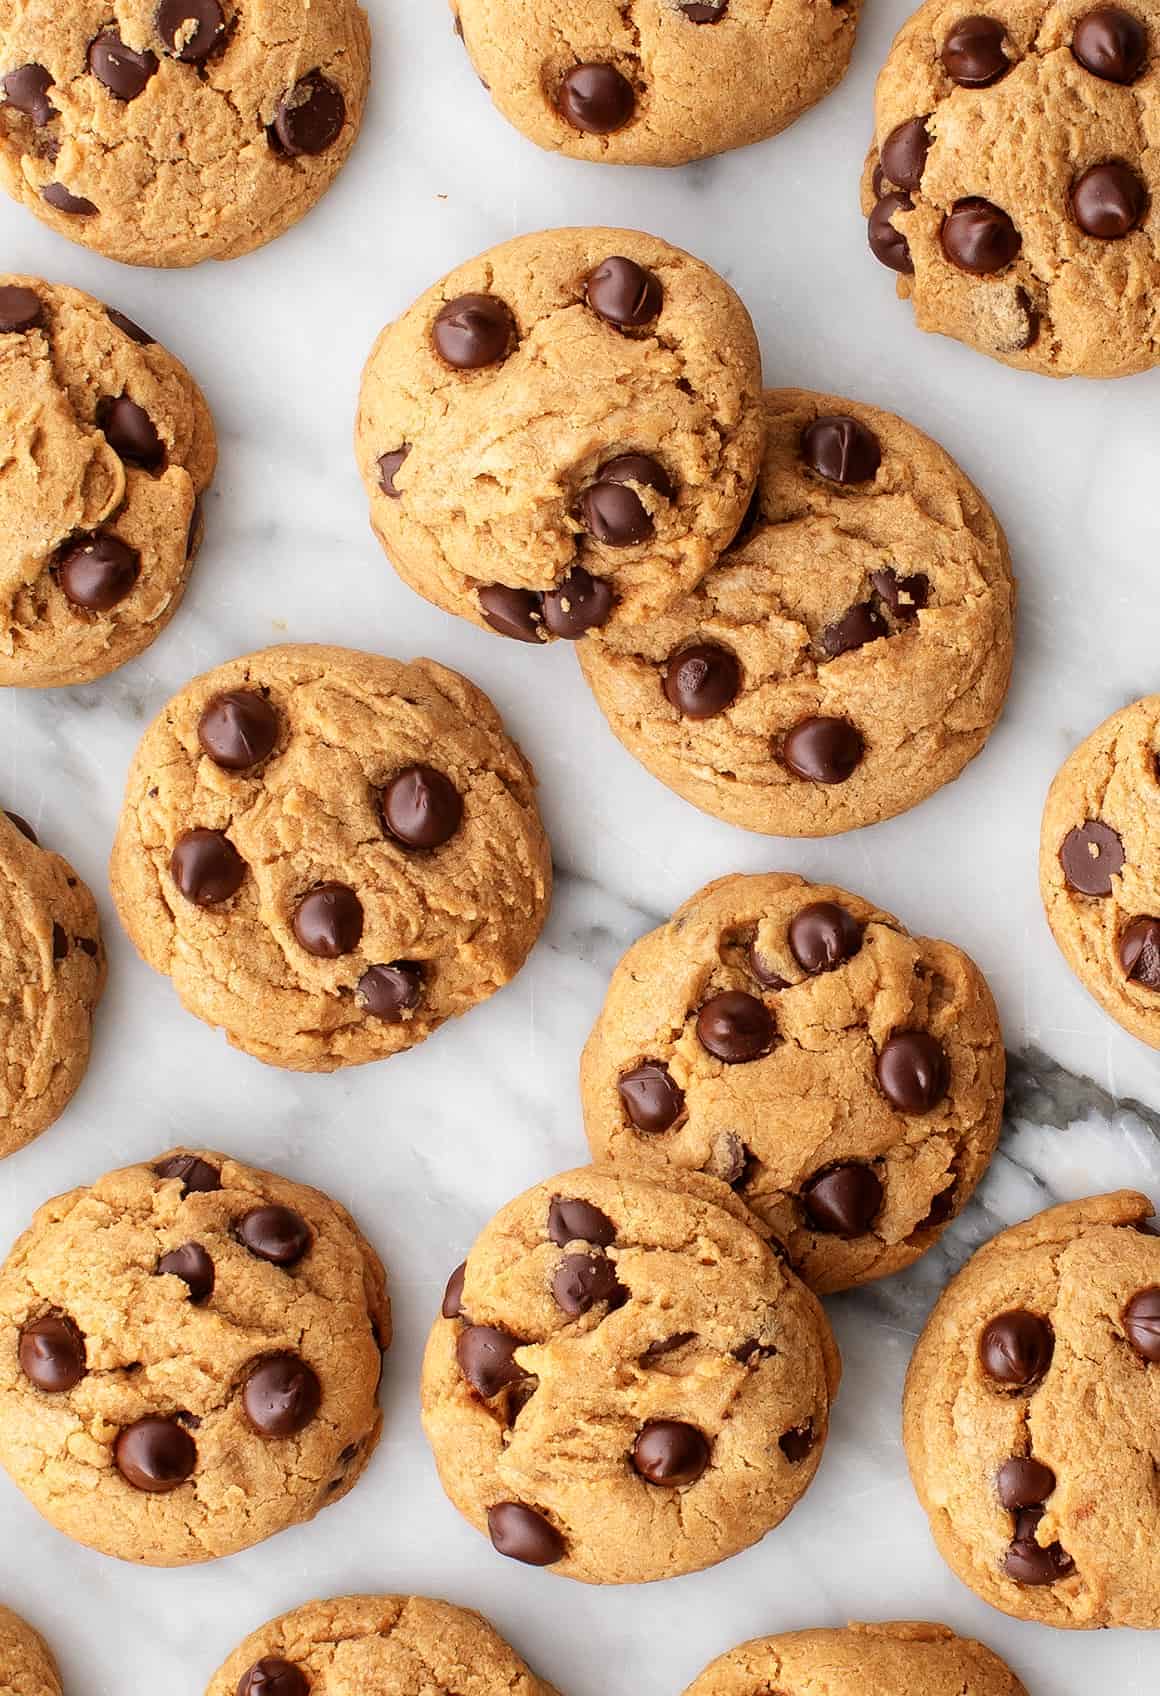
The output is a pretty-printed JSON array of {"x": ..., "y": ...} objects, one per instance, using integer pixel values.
[
  {"x": 896, "y": 1658},
  {"x": 26, "y": 1664}
]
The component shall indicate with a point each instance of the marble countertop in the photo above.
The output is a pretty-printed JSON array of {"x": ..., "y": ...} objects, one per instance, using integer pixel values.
[{"x": 424, "y": 1148}]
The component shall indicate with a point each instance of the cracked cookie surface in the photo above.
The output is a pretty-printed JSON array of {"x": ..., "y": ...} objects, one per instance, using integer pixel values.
[
  {"x": 564, "y": 431},
  {"x": 898, "y": 1658},
  {"x": 850, "y": 653},
  {"x": 109, "y": 446},
  {"x": 793, "y": 1041},
  {"x": 330, "y": 853},
  {"x": 1030, "y": 1416},
  {"x": 655, "y": 82},
  {"x": 165, "y": 134},
  {"x": 626, "y": 1383},
  {"x": 189, "y": 1358},
  {"x": 26, "y": 1664},
  {"x": 1014, "y": 180}
]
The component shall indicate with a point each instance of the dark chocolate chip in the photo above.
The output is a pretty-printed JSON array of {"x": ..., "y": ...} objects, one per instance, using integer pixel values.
[
  {"x": 389, "y": 464},
  {"x": 795, "y": 1445},
  {"x": 904, "y": 153},
  {"x": 1091, "y": 855},
  {"x": 130, "y": 432},
  {"x": 190, "y": 29},
  {"x": 452, "y": 1307},
  {"x": 281, "y": 1395},
  {"x": 20, "y": 309},
  {"x": 155, "y": 1455},
  {"x": 120, "y": 69},
  {"x": 704, "y": 11},
  {"x": 310, "y": 117},
  {"x": 624, "y": 293},
  {"x": 670, "y": 1452},
  {"x": 841, "y": 449},
  {"x": 524, "y": 1535},
  {"x": 388, "y": 992},
  {"x": 581, "y": 603},
  {"x": 860, "y": 624},
  {"x": 328, "y": 922},
  {"x": 1027, "y": 1562},
  {"x": 486, "y": 1357},
  {"x": 822, "y": 750},
  {"x": 596, "y": 99},
  {"x": 972, "y": 52},
  {"x": 1024, "y": 1483},
  {"x": 939, "y": 1210},
  {"x": 1109, "y": 201},
  {"x": 238, "y": 729},
  {"x": 571, "y": 1220},
  {"x": 59, "y": 944},
  {"x": 843, "y": 1200},
  {"x": 518, "y": 613},
  {"x": 1015, "y": 1348},
  {"x": 666, "y": 1345},
  {"x": 97, "y": 571},
  {"x": 913, "y": 1071},
  {"x": 823, "y": 935},
  {"x": 59, "y": 197},
  {"x": 127, "y": 327},
  {"x": 27, "y": 89},
  {"x": 736, "y": 1027},
  {"x": 1140, "y": 951},
  {"x": 703, "y": 680},
  {"x": 275, "y": 1233},
  {"x": 766, "y": 974},
  {"x": 639, "y": 468},
  {"x": 651, "y": 1099},
  {"x": 89, "y": 946},
  {"x": 272, "y": 1676},
  {"x": 52, "y": 1353},
  {"x": 206, "y": 867},
  {"x": 1142, "y": 1323},
  {"x": 474, "y": 330},
  {"x": 23, "y": 827},
  {"x": 193, "y": 1266},
  {"x": 978, "y": 237},
  {"x": 1111, "y": 44},
  {"x": 421, "y": 808},
  {"x": 905, "y": 596},
  {"x": 614, "y": 513},
  {"x": 888, "y": 245},
  {"x": 197, "y": 1176},
  {"x": 584, "y": 1280}
]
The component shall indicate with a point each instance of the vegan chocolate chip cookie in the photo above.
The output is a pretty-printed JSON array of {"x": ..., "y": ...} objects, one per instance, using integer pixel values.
[
  {"x": 189, "y": 1358},
  {"x": 625, "y": 1383},
  {"x": 1030, "y": 1418},
  {"x": 330, "y": 853},
  {"x": 794, "y": 1042},
  {"x": 904, "y": 1658},
  {"x": 563, "y": 432},
  {"x": 164, "y": 132},
  {"x": 26, "y": 1665},
  {"x": 109, "y": 447}
]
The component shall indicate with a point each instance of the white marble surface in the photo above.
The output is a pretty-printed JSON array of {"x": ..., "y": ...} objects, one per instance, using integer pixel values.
[{"x": 426, "y": 1147}]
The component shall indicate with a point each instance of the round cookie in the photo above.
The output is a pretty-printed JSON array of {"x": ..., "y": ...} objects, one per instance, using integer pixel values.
[
  {"x": 189, "y": 1358},
  {"x": 793, "y": 1041},
  {"x": 851, "y": 651},
  {"x": 564, "y": 431},
  {"x": 111, "y": 447},
  {"x": 1014, "y": 182},
  {"x": 1030, "y": 1417},
  {"x": 902, "y": 1658},
  {"x": 26, "y": 1664},
  {"x": 1099, "y": 866},
  {"x": 330, "y": 853},
  {"x": 52, "y": 972},
  {"x": 167, "y": 133},
  {"x": 407, "y": 1645},
  {"x": 626, "y": 1383},
  {"x": 650, "y": 84}
]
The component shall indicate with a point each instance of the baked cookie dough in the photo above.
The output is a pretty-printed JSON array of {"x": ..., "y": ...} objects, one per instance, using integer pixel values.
[
  {"x": 851, "y": 651},
  {"x": 1031, "y": 1414},
  {"x": 625, "y": 1383},
  {"x": 903, "y": 1658},
  {"x": 167, "y": 133},
  {"x": 794, "y": 1042},
  {"x": 564, "y": 431},
  {"x": 655, "y": 82},
  {"x": 330, "y": 853},
  {"x": 406, "y": 1645},
  {"x": 109, "y": 446},
  {"x": 52, "y": 972},
  {"x": 1014, "y": 180},
  {"x": 1099, "y": 866},
  {"x": 26, "y": 1664},
  {"x": 189, "y": 1358}
]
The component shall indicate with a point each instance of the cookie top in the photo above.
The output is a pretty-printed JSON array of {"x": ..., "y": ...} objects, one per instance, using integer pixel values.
[
  {"x": 1099, "y": 866},
  {"x": 626, "y": 1383},
  {"x": 900, "y": 1658},
  {"x": 164, "y": 134},
  {"x": 851, "y": 651},
  {"x": 651, "y": 84},
  {"x": 330, "y": 852},
  {"x": 189, "y": 1358},
  {"x": 407, "y": 1645},
  {"x": 52, "y": 972},
  {"x": 1031, "y": 1405},
  {"x": 1014, "y": 182},
  {"x": 26, "y": 1665},
  {"x": 564, "y": 431},
  {"x": 112, "y": 445},
  {"x": 795, "y": 1042}
]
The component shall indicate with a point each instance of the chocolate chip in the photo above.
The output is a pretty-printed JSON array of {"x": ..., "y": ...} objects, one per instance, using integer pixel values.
[
  {"x": 823, "y": 935},
  {"x": 1024, "y": 1483},
  {"x": 614, "y": 513},
  {"x": 190, "y": 29},
  {"x": 913, "y": 1071},
  {"x": 27, "y": 89},
  {"x": 275, "y": 1233},
  {"x": 154, "y": 1455},
  {"x": 97, "y": 571},
  {"x": 972, "y": 53},
  {"x": 639, "y": 468},
  {"x": 23, "y": 827},
  {"x": 581, "y": 603},
  {"x": 978, "y": 237},
  {"x": 888, "y": 245},
  {"x": 1140, "y": 951},
  {"x": 582, "y": 1281},
  {"x": 486, "y": 1357},
  {"x": 197, "y": 1175},
  {"x": 128, "y": 328},
  {"x": 905, "y": 596},
  {"x": 524, "y": 1535},
  {"x": 20, "y": 309},
  {"x": 670, "y": 1452},
  {"x": 571, "y": 1220},
  {"x": 87, "y": 944},
  {"x": 59, "y": 944},
  {"x": 904, "y": 153},
  {"x": 736, "y": 1027},
  {"x": 1111, "y": 43},
  {"x": 328, "y": 922},
  {"x": 206, "y": 867},
  {"x": 861, "y": 624},
  {"x": 939, "y": 1210},
  {"x": 59, "y": 197},
  {"x": 624, "y": 293},
  {"x": 130, "y": 432},
  {"x": 704, "y": 11},
  {"x": 193, "y": 1266},
  {"x": 596, "y": 99},
  {"x": 703, "y": 680},
  {"x": 795, "y": 1445},
  {"x": 421, "y": 808},
  {"x": 843, "y": 1200},
  {"x": 1026, "y": 1562},
  {"x": 452, "y": 1307},
  {"x": 822, "y": 750},
  {"x": 281, "y": 1395},
  {"x": 651, "y": 1099},
  {"x": 310, "y": 117},
  {"x": 1091, "y": 855},
  {"x": 474, "y": 330},
  {"x": 518, "y": 613},
  {"x": 387, "y": 992},
  {"x": 120, "y": 69},
  {"x": 1109, "y": 201},
  {"x": 1142, "y": 1323},
  {"x": 1016, "y": 1348},
  {"x": 52, "y": 1353},
  {"x": 766, "y": 973},
  {"x": 389, "y": 464},
  {"x": 666, "y": 1345},
  {"x": 272, "y": 1676},
  {"x": 843, "y": 450},
  {"x": 238, "y": 729}
]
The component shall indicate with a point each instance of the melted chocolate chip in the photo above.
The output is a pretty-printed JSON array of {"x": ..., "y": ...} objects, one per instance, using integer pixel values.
[
  {"x": 1015, "y": 1349},
  {"x": 978, "y": 237},
  {"x": 614, "y": 513},
  {"x": 1027, "y": 1562},
  {"x": 193, "y": 1266},
  {"x": 703, "y": 680},
  {"x": 421, "y": 808},
  {"x": 52, "y": 1353},
  {"x": 1142, "y": 1323},
  {"x": 1024, "y": 1483},
  {"x": 823, "y": 750},
  {"x": 524, "y": 1535},
  {"x": 582, "y": 1281},
  {"x": 389, "y": 466},
  {"x": 888, "y": 245},
  {"x": 130, "y": 432},
  {"x": 905, "y": 596},
  {"x": 518, "y": 613},
  {"x": 1091, "y": 855},
  {"x": 281, "y": 1395},
  {"x": 238, "y": 729},
  {"x": 275, "y": 1233},
  {"x": 197, "y": 1175},
  {"x": 736, "y": 1027},
  {"x": 571, "y": 1220},
  {"x": 486, "y": 1357},
  {"x": 23, "y": 827},
  {"x": 190, "y": 29},
  {"x": 596, "y": 99},
  {"x": 904, "y": 153},
  {"x": 581, "y": 603},
  {"x": 1111, "y": 44},
  {"x": 844, "y": 1200},
  {"x": 624, "y": 293},
  {"x": 1109, "y": 201},
  {"x": 795, "y": 1445},
  {"x": 272, "y": 1676},
  {"x": 206, "y": 867},
  {"x": 390, "y": 992},
  {"x": 127, "y": 327},
  {"x": 328, "y": 921},
  {"x": 972, "y": 53},
  {"x": 670, "y": 1452},
  {"x": 823, "y": 935},
  {"x": 860, "y": 624},
  {"x": 155, "y": 1455},
  {"x": 1140, "y": 952},
  {"x": 452, "y": 1306},
  {"x": 97, "y": 571},
  {"x": 651, "y": 1099},
  {"x": 27, "y": 90},
  {"x": 310, "y": 117},
  {"x": 20, "y": 309},
  {"x": 62, "y": 200},
  {"x": 474, "y": 331},
  {"x": 841, "y": 449},
  {"x": 124, "y": 72}
]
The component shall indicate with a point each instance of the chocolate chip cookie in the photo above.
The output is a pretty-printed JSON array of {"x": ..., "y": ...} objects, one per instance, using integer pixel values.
[
  {"x": 1031, "y": 1415},
  {"x": 563, "y": 432},
  {"x": 330, "y": 853},
  {"x": 110, "y": 447},
  {"x": 189, "y": 1358},
  {"x": 401, "y": 1644},
  {"x": 1013, "y": 180},
  {"x": 794, "y": 1042},
  {"x": 655, "y": 82},
  {"x": 903, "y": 1658},
  {"x": 167, "y": 133},
  {"x": 851, "y": 651},
  {"x": 26, "y": 1664},
  {"x": 52, "y": 972},
  {"x": 625, "y": 1383},
  {"x": 1099, "y": 866}
]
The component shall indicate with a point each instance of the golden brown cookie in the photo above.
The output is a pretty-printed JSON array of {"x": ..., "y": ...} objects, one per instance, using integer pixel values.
[
  {"x": 564, "y": 431},
  {"x": 851, "y": 651},
  {"x": 626, "y": 1383},
  {"x": 396, "y": 1645},
  {"x": 189, "y": 1358},
  {"x": 164, "y": 132},
  {"x": 657, "y": 82},
  {"x": 330, "y": 853},
  {"x": 1030, "y": 1417},
  {"x": 902, "y": 1658},
  {"x": 26, "y": 1664},
  {"x": 110, "y": 447},
  {"x": 1014, "y": 180},
  {"x": 794, "y": 1042},
  {"x": 1099, "y": 866}
]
